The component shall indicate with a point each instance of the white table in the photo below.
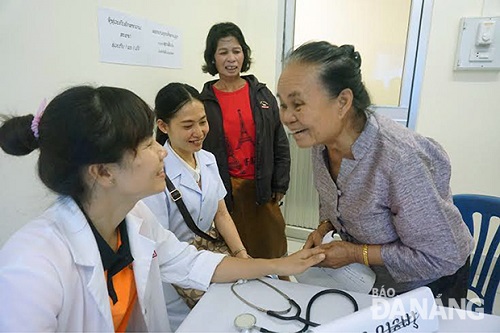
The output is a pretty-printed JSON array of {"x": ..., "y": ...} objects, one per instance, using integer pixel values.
[{"x": 217, "y": 310}]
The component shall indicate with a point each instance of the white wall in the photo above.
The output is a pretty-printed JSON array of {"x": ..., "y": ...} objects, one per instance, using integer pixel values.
[
  {"x": 54, "y": 44},
  {"x": 461, "y": 110}
]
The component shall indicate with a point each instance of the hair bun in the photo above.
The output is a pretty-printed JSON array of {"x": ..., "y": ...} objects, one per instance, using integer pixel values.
[
  {"x": 16, "y": 137},
  {"x": 351, "y": 53},
  {"x": 357, "y": 58}
]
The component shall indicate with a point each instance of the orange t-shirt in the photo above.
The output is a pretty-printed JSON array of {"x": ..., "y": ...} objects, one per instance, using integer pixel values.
[{"x": 126, "y": 292}]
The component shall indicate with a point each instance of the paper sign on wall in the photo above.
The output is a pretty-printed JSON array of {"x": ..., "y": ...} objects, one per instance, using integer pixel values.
[
  {"x": 164, "y": 46},
  {"x": 125, "y": 39}
]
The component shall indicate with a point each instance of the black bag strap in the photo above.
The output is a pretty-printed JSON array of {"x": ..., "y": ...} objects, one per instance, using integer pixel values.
[{"x": 177, "y": 198}]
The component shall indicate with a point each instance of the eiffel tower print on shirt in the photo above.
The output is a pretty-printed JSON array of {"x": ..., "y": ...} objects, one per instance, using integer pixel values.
[
  {"x": 233, "y": 162},
  {"x": 244, "y": 136}
]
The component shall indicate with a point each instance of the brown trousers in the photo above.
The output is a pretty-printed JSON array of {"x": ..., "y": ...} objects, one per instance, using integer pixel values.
[{"x": 261, "y": 227}]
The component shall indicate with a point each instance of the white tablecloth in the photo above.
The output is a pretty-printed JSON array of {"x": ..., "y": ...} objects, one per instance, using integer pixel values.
[{"x": 219, "y": 307}]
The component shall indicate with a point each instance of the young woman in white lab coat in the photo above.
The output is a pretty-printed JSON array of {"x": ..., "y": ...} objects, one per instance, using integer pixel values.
[
  {"x": 181, "y": 128},
  {"x": 95, "y": 260}
]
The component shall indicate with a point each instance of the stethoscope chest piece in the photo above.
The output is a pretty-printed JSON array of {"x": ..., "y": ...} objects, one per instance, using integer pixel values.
[{"x": 245, "y": 322}]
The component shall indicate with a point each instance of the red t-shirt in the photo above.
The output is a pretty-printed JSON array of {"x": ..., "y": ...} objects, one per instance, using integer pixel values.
[{"x": 239, "y": 131}]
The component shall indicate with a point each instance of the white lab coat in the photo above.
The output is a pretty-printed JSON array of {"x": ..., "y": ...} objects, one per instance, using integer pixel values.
[
  {"x": 202, "y": 203},
  {"x": 52, "y": 279}
]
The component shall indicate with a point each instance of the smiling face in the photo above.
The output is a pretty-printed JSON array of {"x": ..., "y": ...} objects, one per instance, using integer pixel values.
[
  {"x": 141, "y": 174},
  {"x": 306, "y": 109},
  {"x": 187, "y": 129},
  {"x": 229, "y": 57}
]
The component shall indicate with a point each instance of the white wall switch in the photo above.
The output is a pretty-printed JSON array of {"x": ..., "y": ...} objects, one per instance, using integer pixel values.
[
  {"x": 485, "y": 33},
  {"x": 478, "y": 38}
]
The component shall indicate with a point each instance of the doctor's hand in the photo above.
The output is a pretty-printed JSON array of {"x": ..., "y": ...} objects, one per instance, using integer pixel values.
[
  {"x": 340, "y": 253},
  {"x": 243, "y": 255},
  {"x": 231, "y": 269},
  {"x": 299, "y": 261}
]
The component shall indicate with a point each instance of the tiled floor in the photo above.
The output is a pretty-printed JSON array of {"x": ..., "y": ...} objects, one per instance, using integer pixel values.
[{"x": 296, "y": 244}]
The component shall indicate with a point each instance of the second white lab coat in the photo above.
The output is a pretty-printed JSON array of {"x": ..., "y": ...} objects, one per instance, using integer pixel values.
[
  {"x": 202, "y": 203},
  {"x": 52, "y": 279}
]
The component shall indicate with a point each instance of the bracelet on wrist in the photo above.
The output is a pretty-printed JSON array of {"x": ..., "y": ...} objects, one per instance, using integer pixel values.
[
  {"x": 365, "y": 255},
  {"x": 324, "y": 222},
  {"x": 328, "y": 228},
  {"x": 238, "y": 251}
]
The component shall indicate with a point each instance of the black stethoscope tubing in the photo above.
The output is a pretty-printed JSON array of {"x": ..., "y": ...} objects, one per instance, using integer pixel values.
[{"x": 307, "y": 320}]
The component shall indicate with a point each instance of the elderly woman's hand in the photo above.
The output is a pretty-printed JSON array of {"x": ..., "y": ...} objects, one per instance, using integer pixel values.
[
  {"x": 341, "y": 253},
  {"x": 315, "y": 238}
]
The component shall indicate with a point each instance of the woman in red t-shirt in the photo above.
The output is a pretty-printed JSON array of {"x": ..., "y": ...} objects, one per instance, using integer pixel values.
[{"x": 248, "y": 141}]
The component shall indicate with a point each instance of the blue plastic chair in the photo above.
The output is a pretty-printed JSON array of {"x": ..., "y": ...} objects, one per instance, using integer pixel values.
[{"x": 487, "y": 206}]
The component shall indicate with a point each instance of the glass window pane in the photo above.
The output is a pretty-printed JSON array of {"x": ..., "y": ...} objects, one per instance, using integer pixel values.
[{"x": 377, "y": 28}]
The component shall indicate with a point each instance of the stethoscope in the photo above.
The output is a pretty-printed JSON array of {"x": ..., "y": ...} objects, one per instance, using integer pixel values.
[{"x": 246, "y": 322}]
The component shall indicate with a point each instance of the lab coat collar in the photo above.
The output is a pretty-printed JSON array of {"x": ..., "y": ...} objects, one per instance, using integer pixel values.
[
  {"x": 73, "y": 224},
  {"x": 83, "y": 247},
  {"x": 175, "y": 168},
  {"x": 143, "y": 251}
]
